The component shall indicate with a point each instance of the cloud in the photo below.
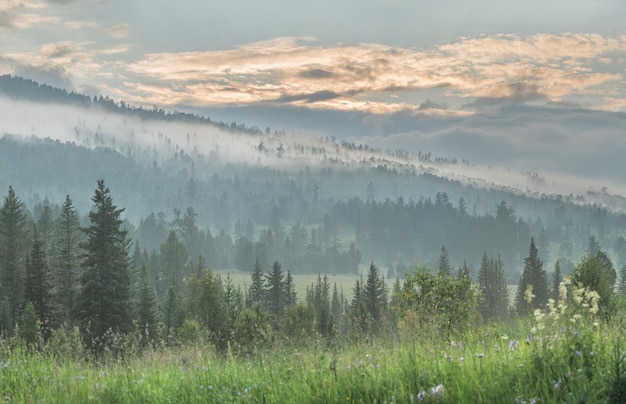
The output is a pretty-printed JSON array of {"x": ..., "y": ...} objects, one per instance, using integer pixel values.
[
  {"x": 56, "y": 50},
  {"x": 54, "y": 75},
  {"x": 472, "y": 72},
  {"x": 118, "y": 31}
]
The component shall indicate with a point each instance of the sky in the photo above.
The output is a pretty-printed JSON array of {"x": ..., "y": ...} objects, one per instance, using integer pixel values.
[{"x": 536, "y": 86}]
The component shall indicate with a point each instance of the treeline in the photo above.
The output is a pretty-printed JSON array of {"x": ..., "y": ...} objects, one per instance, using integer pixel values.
[
  {"x": 56, "y": 275},
  {"x": 308, "y": 219},
  {"x": 25, "y": 89}
]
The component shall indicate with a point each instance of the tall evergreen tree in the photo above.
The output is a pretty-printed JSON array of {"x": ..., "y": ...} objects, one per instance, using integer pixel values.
[
  {"x": 103, "y": 303},
  {"x": 321, "y": 302},
  {"x": 535, "y": 276},
  {"x": 38, "y": 286},
  {"x": 256, "y": 292},
  {"x": 67, "y": 274},
  {"x": 275, "y": 293},
  {"x": 494, "y": 303},
  {"x": 290, "y": 290},
  {"x": 146, "y": 315},
  {"x": 45, "y": 227},
  {"x": 14, "y": 245},
  {"x": 444, "y": 262},
  {"x": 374, "y": 296},
  {"x": 173, "y": 260}
]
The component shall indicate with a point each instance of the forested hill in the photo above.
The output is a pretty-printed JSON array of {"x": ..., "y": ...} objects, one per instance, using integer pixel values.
[{"x": 316, "y": 205}]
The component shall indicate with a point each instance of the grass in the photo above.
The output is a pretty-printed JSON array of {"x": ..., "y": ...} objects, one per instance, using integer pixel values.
[
  {"x": 563, "y": 354},
  {"x": 491, "y": 364}
]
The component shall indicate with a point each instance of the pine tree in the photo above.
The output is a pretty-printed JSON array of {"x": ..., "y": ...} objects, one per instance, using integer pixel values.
[
  {"x": 375, "y": 296},
  {"x": 146, "y": 306},
  {"x": 172, "y": 313},
  {"x": 494, "y": 301},
  {"x": 233, "y": 301},
  {"x": 321, "y": 302},
  {"x": 535, "y": 277},
  {"x": 173, "y": 260},
  {"x": 103, "y": 304},
  {"x": 38, "y": 286},
  {"x": 290, "y": 291},
  {"x": 14, "y": 244},
  {"x": 256, "y": 292},
  {"x": 67, "y": 240},
  {"x": 275, "y": 293},
  {"x": 45, "y": 227},
  {"x": 444, "y": 262}
]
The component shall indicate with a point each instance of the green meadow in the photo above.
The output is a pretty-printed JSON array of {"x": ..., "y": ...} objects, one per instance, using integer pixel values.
[{"x": 566, "y": 353}]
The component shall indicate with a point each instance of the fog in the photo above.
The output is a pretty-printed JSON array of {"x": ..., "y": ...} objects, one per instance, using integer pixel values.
[{"x": 157, "y": 140}]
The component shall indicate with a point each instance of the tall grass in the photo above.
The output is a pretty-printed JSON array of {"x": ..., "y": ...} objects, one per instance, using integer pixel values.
[{"x": 562, "y": 355}]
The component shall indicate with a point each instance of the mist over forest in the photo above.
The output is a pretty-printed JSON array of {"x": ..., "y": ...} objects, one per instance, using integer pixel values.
[{"x": 316, "y": 205}]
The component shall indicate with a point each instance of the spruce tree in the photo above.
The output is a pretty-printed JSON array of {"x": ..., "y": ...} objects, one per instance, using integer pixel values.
[
  {"x": 103, "y": 304},
  {"x": 444, "y": 262},
  {"x": 38, "y": 288},
  {"x": 173, "y": 260},
  {"x": 14, "y": 245},
  {"x": 67, "y": 274},
  {"x": 275, "y": 292},
  {"x": 256, "y": 292},
  {"x": 290, "y": 291},
  {"x": 374, "y": 295},
  {"x": 535, "y": 277},
  {"x": 494, "y": 303},
  {"x": 146, "y": 306}
]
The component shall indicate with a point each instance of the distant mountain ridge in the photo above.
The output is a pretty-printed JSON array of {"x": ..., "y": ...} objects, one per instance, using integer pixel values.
[{"x": 326, "y": 200}]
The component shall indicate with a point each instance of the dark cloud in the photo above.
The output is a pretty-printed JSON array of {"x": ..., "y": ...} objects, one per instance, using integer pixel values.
[
  {"x": 53, "y": 75},
  {"x": 316, "y": 74},
  {"x": 428, "y": 104},
  {"x": 310, "y": 98}
]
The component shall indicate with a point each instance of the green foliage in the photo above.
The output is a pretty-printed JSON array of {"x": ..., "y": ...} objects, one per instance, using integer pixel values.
[
  {"x": 252, "y": 330},
  {"x": 38, "y": 287},
  {"x": 29, "y": 327},
  {"x": 173, "y": 260},
  {"x": 205, "y": 304},
  {"x": 190, "y": 333},
  {"x": 451, "y": 301},
  {"x": 597, "y": 273},
  {"x": 300, "y": 322},
  {"x": 67, "y": 275},
  {"x": 146, "y": 316},
  {"x": 14, "y": 243},
  {"x": 494, "y": 292},
  {"x": 104, "y": 302},
  {"x": 535, "y": 277}
]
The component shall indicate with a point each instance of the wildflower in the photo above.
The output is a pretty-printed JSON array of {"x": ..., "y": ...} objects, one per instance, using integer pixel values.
[
  {"x": 513, "y": 344},
  {"x": 577, "y": 353},
  {"x": 557, "y": 385},
  {"x": 480, "y": 355},
  {"x": 528, "y": 295},
  {"x": 461, "y": 358},
  {"x": 437, "y": 389},
  {"x": 421, "y": 395},
  {"x": 533, "y": 330},
  {"x": 368, "y": 357}
]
